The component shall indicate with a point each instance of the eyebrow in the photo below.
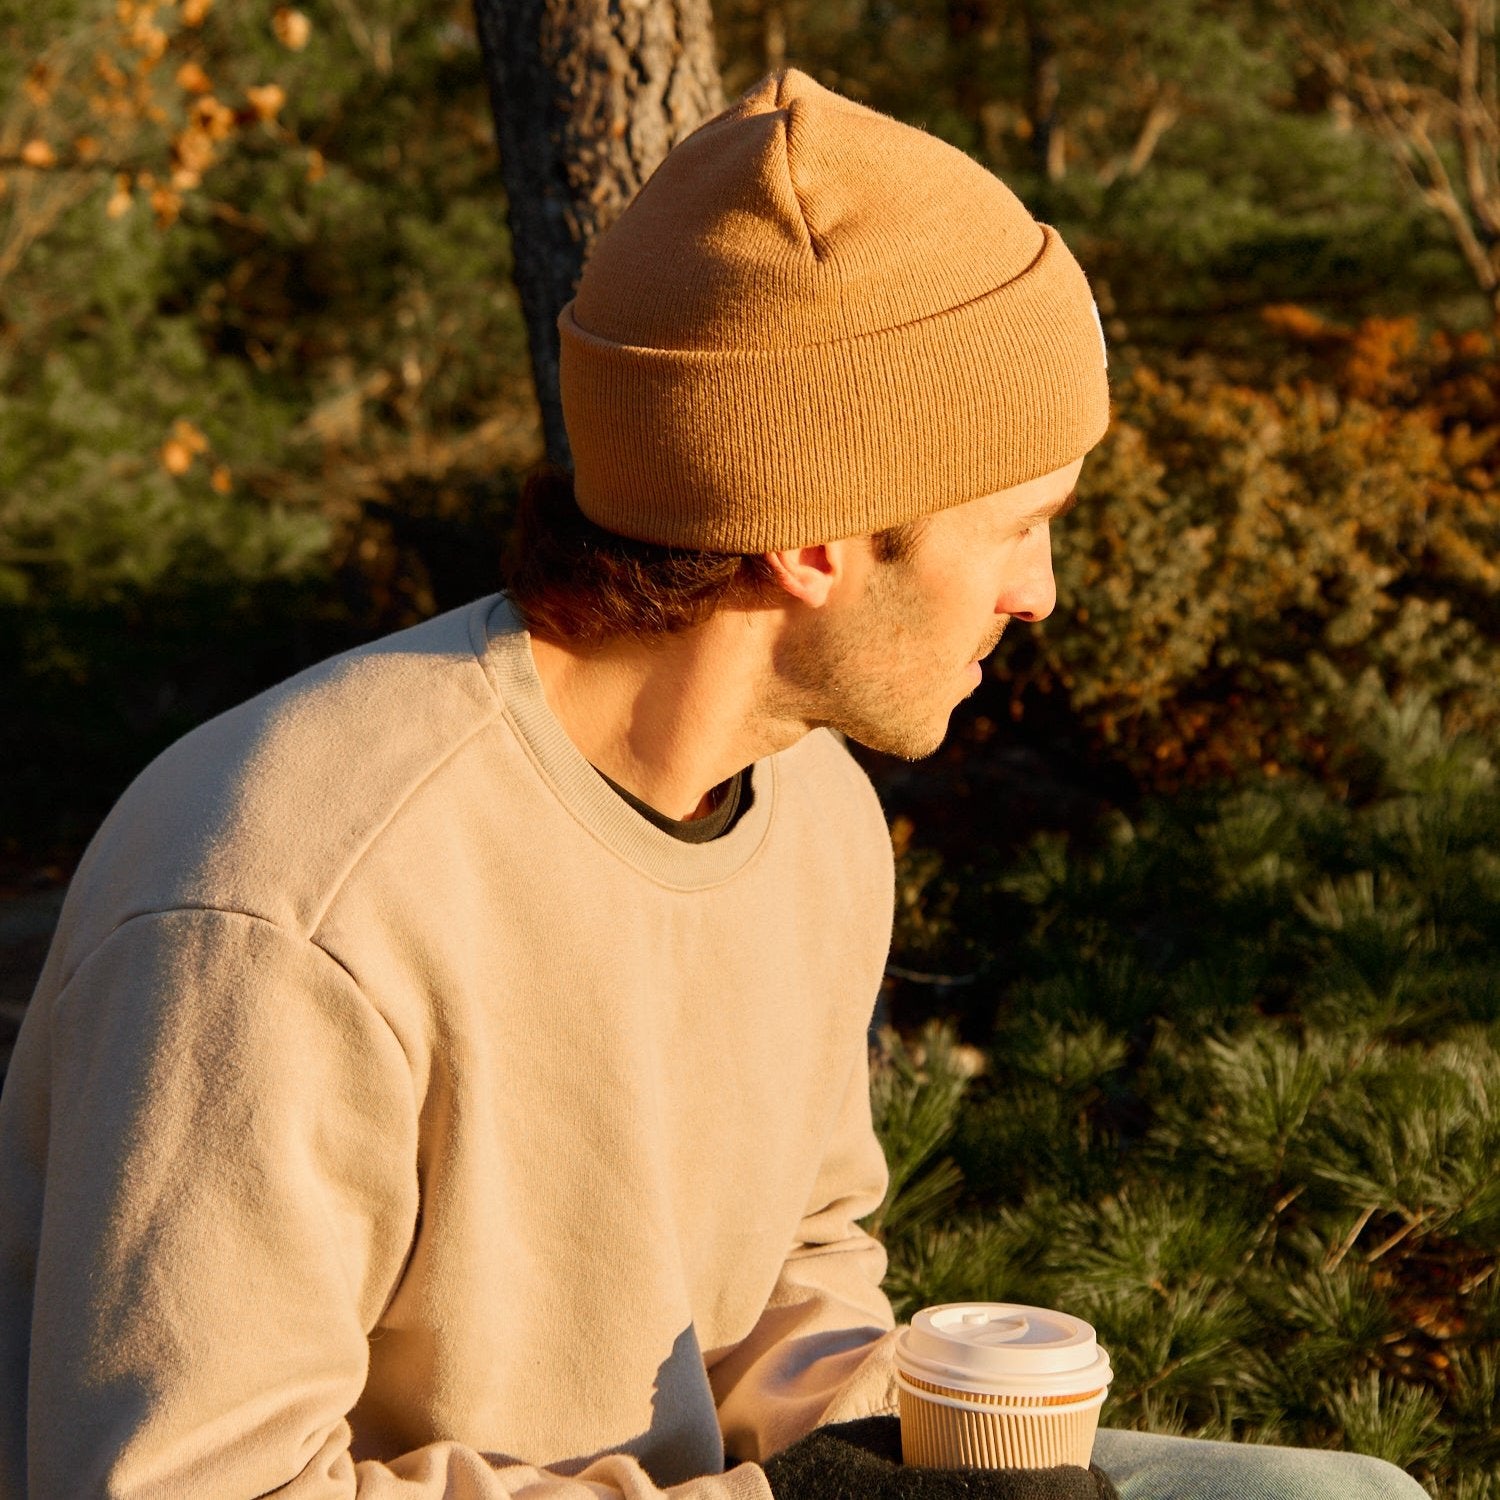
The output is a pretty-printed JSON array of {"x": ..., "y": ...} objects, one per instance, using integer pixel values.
[{"x": 1051, "y": 513}]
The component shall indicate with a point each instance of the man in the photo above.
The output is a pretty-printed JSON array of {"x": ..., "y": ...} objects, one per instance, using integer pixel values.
[{"x": 449, "y": 1075}]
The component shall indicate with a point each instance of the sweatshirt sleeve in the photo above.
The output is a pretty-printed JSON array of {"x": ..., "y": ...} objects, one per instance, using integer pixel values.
[
  {"x": 822, "y": 1351},
  {"x": 224, "y": 1142}
]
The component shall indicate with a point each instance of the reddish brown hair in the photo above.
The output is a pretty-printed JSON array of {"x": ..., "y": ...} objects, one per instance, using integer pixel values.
[{"x": 573, "y": 581}]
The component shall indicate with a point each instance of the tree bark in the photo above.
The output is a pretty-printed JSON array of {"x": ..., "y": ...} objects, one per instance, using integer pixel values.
[{"x": 588, "y": 96}]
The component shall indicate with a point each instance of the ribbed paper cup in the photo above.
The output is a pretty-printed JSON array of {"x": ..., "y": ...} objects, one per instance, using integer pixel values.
[{"x": 998, "y": 1385}]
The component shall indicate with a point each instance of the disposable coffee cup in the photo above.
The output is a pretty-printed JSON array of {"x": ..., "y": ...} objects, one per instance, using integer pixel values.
[{"x": 998, "y": 1385}]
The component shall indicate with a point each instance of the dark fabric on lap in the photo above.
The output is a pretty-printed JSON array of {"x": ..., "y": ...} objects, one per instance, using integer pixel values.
[{"x": 862, "y": 1461}]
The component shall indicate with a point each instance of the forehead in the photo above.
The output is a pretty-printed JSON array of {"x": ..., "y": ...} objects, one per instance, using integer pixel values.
[{"x": 1028, "y": 504}]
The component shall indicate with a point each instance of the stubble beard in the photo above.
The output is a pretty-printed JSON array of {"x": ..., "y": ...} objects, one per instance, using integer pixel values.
[{"x": 894, "y": 712}]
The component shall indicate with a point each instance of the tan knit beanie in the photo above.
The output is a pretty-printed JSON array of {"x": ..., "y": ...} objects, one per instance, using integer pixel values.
[{"x": 816, "y": 322}]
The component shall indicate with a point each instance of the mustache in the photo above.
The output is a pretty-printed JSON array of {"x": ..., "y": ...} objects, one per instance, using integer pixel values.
[{"x": 992, "y": 639}]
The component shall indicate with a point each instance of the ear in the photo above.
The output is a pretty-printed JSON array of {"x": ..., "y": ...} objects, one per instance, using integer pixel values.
[{"x": 810, "y": 574}]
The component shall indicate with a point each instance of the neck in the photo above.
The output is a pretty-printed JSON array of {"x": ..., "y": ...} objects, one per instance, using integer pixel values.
[{"x": 671, "y": 719}]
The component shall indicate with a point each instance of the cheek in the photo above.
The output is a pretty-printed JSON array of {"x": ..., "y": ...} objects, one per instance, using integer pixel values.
[{"x": 990, "y": 583}]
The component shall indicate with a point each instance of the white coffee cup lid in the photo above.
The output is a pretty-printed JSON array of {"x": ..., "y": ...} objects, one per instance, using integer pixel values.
[{"x": 1002, "y": 1346}]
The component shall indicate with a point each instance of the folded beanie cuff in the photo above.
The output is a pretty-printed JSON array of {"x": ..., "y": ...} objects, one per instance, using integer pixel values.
[{"x": 754, "y": 450}]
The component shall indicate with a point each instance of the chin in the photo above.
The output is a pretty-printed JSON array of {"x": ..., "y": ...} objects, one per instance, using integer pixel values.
[{"x": 904, "y": 741}]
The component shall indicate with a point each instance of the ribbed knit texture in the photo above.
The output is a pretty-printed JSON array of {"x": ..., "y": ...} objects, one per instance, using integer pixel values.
[{"x": 815, "y": 321}]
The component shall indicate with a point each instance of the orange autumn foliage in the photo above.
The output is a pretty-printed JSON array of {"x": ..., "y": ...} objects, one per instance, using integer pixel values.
[
  {"x": 122, "y": 102},
  {"x": 1251, "y": 554}
]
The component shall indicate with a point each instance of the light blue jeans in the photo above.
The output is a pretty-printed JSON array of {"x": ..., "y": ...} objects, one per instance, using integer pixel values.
[{"x": 1147, "y": 1467}]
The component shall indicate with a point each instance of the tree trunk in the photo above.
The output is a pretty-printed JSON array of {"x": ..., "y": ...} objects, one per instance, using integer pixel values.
[{"x": 588, "y": 96}]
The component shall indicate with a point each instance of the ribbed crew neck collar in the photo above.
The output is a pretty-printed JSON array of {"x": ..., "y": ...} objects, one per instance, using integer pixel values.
[{"x": 504, "y": 646}]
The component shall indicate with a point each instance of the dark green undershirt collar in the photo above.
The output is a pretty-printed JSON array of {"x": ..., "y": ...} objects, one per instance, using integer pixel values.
[{"x": 729, "y": 802}]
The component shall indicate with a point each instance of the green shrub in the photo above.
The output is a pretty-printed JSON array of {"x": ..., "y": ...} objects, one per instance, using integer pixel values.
[
  {"x": 1251, "y": 554},
  {"x": 263, "y": 384},
  {"x": 1242, "y": 1107}
]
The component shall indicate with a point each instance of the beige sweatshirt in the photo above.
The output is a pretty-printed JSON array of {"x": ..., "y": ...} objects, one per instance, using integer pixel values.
[{"x": 401, "y": 1114}]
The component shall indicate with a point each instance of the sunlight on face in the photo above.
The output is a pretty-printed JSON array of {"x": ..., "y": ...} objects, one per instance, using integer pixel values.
[{"x": 890, "y": 667}]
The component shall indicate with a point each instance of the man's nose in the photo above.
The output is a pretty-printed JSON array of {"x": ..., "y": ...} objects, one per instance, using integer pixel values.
[{"x": 1032, "y": 594}]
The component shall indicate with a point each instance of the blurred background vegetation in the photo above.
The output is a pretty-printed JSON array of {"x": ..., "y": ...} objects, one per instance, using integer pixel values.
[{"x": 1200, "y": 905}]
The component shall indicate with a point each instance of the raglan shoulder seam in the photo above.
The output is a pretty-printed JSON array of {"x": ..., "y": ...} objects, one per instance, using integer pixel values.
[
  {"x": 374, "y": 834},
  {"x": 184, "y": 908}
]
